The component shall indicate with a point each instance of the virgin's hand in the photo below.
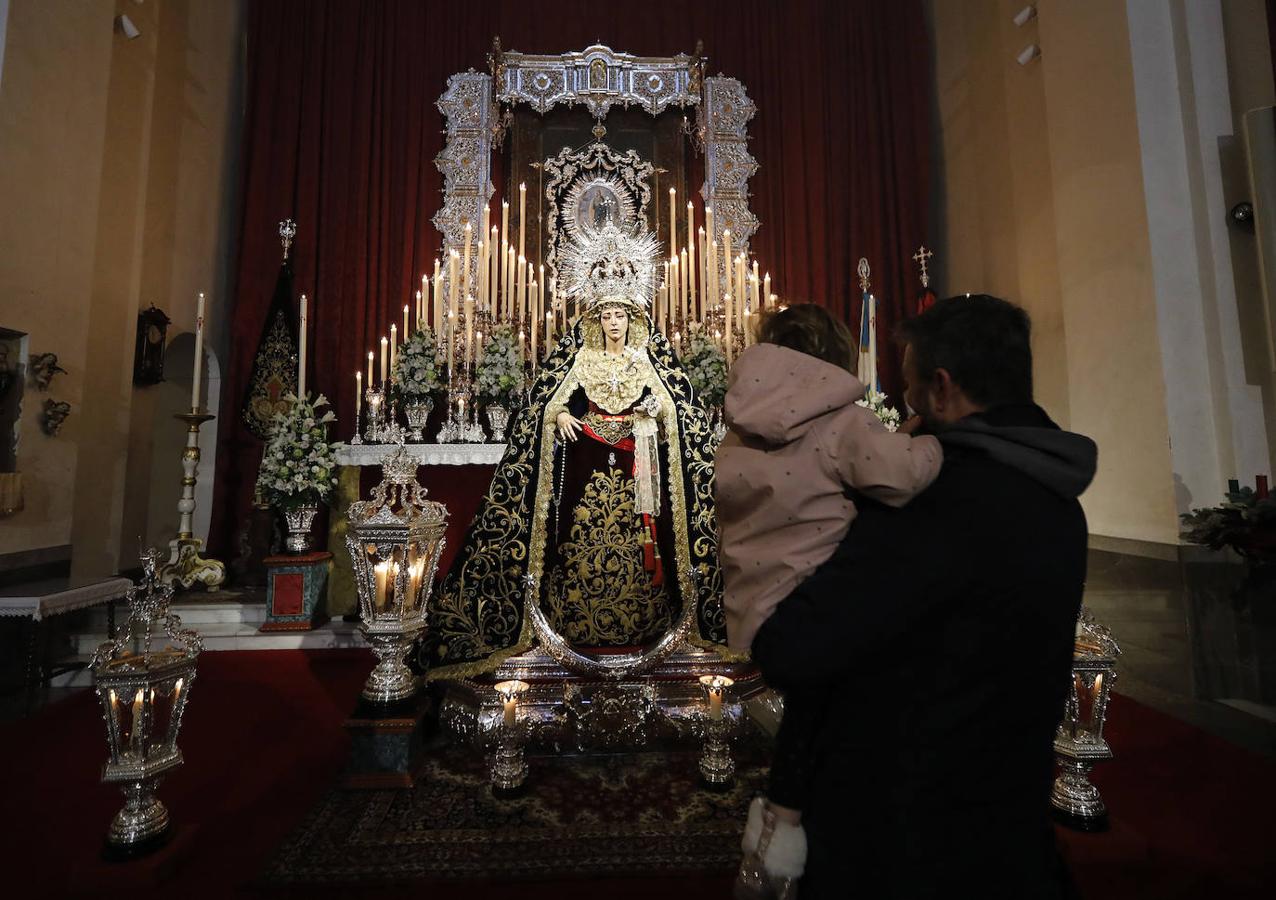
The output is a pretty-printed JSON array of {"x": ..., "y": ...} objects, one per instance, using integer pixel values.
[{"x": 568, "y": 426}]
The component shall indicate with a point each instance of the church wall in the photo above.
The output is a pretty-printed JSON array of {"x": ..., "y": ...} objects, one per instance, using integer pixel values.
[
  {"x": 1085, "y": 255},
  {"x": 117, "y": 156}
]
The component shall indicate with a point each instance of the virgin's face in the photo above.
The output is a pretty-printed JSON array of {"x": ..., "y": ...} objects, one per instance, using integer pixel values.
[{"x": 615, "y": 323}]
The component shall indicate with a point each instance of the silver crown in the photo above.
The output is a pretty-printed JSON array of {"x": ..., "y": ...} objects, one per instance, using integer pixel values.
[{"x": 612, "y": 264}]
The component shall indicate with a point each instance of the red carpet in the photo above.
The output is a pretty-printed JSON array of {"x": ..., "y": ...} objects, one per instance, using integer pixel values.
[{"x": 263, "y": 741}]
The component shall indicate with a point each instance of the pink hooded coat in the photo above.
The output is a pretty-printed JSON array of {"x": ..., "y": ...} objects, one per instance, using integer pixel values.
[{"x": 795, "y": 442}]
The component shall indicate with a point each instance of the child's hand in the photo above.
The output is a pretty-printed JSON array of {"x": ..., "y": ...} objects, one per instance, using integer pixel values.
[{"x": 911, "y": 425}]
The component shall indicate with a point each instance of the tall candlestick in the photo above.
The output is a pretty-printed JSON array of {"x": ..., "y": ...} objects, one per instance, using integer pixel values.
[
  {"x": 358, "y": 398},
  {"x": 451, "y": 345},
  {"x": 505, "y": 219},
  {"x": 766, "y": 290},
  {"x": 469, "y": 331},
  {"x": 708, "y": 223},
  {"x": 713, "y": 274},
  {"x": 726, "y": 261},
  {"x": 522, "y": 221},
  {"x": 454, "y": 259},
  {"x": 757, "y": 286},
  {"x": 534, "y": 325},
  {"x": 197, "y": 377},
  {"x": 729, "y": 303},
  {"x": 493, "y": 275},
  {"x": 741, "y": 288},
  {"x": 675, "y": 284},
  {"x": 369, "y": 370},
  {"x": 301, "y": 355},
  {"x": 480, "y": 290},
  {"x": 510, "y": 276},
  {"x": 405, "y": 322},
  {"x": 394, "y": 348},
  {"x": 540, "y": 299},
  {"x": 520, "y": 289},
  {"x": 684, "y": 276},
  {"x": 384, "y": 344},
  {"x": 423, "y": 302},
  {"x": 438, "y": 298},
  {"x": 487, "y": 216},
  {"x": 691, "y": 257},
  {"x": 673, "y": 220},
  {"x": 702, "y": 271},
  {"x": 465, "y": 263},
  {"x": 420, "y": 311},
  {"x": 549, "y": 331}
]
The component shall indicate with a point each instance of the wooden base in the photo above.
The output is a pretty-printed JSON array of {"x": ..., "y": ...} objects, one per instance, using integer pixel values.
[{"x": 386, "y": 744}]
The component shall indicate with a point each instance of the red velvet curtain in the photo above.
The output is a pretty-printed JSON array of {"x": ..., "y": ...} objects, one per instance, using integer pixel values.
[{"x": 342, "y": 130}]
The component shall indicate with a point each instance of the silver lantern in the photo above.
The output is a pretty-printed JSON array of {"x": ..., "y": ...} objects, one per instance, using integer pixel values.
[
  {"x": 143, "y": 679},
  {"x": 1079, "y": 742},
  {"x": 499, "y": 418},
  {"x": 417, "y": 410},
  {"x": 395, "y": 540}
]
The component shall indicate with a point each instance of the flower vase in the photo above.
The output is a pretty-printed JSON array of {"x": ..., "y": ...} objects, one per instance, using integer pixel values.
[
  {"x": 498, "y": 417},
  {"x": 418, "y": 411},
  {"x": 300, "y": 520}
]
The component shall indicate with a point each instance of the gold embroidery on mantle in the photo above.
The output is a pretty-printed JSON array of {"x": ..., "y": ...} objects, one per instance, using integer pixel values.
[
  {"x": 600, "y": 594},
  {"x": 612, "y": 429},
  {"x": 613, "y": 383}
]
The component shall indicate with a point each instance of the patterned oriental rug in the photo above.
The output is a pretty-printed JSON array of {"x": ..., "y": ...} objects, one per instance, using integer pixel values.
[{"x": 640, "y": 814}]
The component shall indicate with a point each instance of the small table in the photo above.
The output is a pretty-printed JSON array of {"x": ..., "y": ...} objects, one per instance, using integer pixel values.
[{"x": 41, "y": 600}]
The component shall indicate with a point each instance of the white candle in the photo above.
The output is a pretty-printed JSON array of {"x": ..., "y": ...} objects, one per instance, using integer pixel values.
[
  {"x": 301, "y": 357},
  {"x": 384, "y": 343},
  {"x": 469, "y": 331},
  {"x": 420, "y": 310},
  {"x": 520, "y": 290},
  {"x": 673, "y": 220},
  {"x": 691, "y": 257},
  {"x": 522, "y": 221},
  {"x": 729, "y": 303},
  {"x": 766, "y": 291},
  {"x": 684, "y": 287},
  {"x": 726, "y": 260},
  {"x": 405, "y": 322},
  {"x": 197, "y": 378},
  {"x": 715, "y": 703},
  {"x": 465, "y": 262},
  {"x": 534, "y": 326},
  {"x": 549, "y": 330},
  {"x": 452, "y": 300},
  {"x": 540, "y": 301},
  {"x": 394, "y": 349},
  {"x": 494, "y": 275},
  {"x": 438, "y": 297},
  {"x": 135, "y": 731},
  {"x": 384, "y": 581},
  {"x": 713, "y": 274},
  {"x": 369, "y": 370},
  {"x": 510, "y": 704},
  {"x": 358, "y": 398}
]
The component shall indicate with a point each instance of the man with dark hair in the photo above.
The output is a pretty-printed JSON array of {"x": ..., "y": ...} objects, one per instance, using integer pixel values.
[{"x": 944, "y": 631}]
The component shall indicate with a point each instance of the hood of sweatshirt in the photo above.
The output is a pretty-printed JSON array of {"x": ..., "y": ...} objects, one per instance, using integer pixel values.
[
  {"x": 776, "y": 395},
  {"x": 1024, "y": 438}
]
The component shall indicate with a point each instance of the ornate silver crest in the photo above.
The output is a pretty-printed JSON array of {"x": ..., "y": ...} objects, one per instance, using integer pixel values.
[{"x": 615, "y": 262}]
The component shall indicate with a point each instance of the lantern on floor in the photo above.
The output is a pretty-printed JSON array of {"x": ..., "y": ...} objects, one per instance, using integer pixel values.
[
  {"x": 395, "y": 540},
  {"x": 1079, "y": 742},
  {"x": 143, "y": 679}
]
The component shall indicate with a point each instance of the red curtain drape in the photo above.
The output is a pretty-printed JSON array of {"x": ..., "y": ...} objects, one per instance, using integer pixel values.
[{"x": 341, "y": 133}]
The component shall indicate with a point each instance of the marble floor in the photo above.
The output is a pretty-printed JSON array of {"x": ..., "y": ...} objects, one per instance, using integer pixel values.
[{"x": 1198, "y": 641}]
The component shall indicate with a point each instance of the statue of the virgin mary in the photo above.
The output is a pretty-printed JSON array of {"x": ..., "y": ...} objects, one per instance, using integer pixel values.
[{"x": 601, "y": 510}]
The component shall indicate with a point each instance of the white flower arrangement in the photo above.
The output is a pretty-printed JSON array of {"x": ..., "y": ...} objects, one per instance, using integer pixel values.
[
  {"x": 706, "y": 368},
  {"x": 875, "y": 403},
  {"x": 299, "y": 465},
  {"x": 498, "y": 373},
  {"x": 417, "y": 370}
]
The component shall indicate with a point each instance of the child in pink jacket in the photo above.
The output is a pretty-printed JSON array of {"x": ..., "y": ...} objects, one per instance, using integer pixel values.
[{"x": 796, "y": 450}]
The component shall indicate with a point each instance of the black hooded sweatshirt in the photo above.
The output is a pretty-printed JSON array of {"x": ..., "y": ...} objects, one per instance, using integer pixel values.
[{"x": 941, "y": 636}]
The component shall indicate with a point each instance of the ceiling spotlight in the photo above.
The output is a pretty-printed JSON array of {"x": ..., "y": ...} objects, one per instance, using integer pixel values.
[
  {"x": 1028, "y": 54},
  {"x": 1243, "y": 214},
  {"x": 1025, "y": 15}
]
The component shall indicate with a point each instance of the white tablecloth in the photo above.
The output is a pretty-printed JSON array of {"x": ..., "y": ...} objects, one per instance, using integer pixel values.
[
  {"x": 55, "y": 596},
  {"x": 426, "y": 454}
]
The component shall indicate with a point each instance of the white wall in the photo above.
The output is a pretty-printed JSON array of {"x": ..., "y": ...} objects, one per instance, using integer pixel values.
[{"x": 1216, "y": 414}]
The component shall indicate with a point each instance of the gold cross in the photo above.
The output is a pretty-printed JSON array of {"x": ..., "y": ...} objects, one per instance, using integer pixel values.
[{"x": 921, "y": 256}]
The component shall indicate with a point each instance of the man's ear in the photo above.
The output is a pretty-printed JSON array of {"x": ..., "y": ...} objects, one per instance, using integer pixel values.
[{"x": 943, "y": 390}]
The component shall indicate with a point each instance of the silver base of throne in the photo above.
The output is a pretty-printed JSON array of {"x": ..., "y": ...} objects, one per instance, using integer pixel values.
[{"x": 567, "y": 711}]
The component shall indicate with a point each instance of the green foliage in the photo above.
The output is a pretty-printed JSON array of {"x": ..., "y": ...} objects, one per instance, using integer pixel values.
[
  {"x": 498, "y": 372},
  {"x": 1242, "y": 522}
]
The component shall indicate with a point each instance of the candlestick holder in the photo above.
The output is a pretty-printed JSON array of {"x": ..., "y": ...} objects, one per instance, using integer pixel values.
[
  {"x": 186, "y": 567},
  {"x": 509, "y": 768},
  {"x": 717, "y": 768},
  {"x": 357, "y": 438},
  {"x": 462, "y": 425},
  {"x": 376, "y": 401}
]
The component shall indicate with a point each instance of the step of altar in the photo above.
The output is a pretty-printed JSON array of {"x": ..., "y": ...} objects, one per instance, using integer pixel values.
[{"x": 222, "y": 625}]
